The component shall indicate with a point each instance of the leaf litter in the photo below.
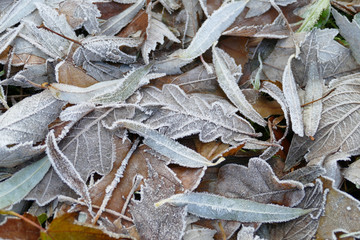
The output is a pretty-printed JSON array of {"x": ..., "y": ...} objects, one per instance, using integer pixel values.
[{"x": 172, "y": 119}]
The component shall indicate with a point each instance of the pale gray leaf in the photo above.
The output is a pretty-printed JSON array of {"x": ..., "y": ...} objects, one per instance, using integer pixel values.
[
  {"x": 257, "y": 182},
  {"x": 303, "y": 228},
  {"x": 211, "y": 30},
  {"x": 28, "y": 120},
  {"x": 35, "y": 73},
  {"x": 55, "y": 21},
  {"x": 305, "y": 174},
  {"x": 170, "y": 5},
  {"x": 14, "y": 155},
  {"x": 199, "y": 234},
  {"x": 166, "y": 146},
  {"x": 350, "y": 31},
  {"x": 7, "y": 38},
  {"x": 256, "y": 7},
  {"x": 178, "y": 115},
  {"x": 65, "y": 169},
  {"x": 114, "y": 24},
  {"x": 217, "y": 207},
  {"x": 228, "y": 84},
  {"x": 154, "y": 223},
  {"x": 292, "y": 99},
  {"x": 20, "y": 184},
  {"x": 247, "y": 233},
  {"x": 81, "y": 13},
  {"x": 76, "y": 112},
  {"x": 156, "y": 31},
  {"x": 192, "y": 11},
  {"x": 102, "y": 48},
  {"x": 298, "y": 148},
  {"x": 338, "y": 129},
  {"x": 16, "y": 11},
  {"x": 352, "y": 172},
  {"x": 103, "y": 71}
]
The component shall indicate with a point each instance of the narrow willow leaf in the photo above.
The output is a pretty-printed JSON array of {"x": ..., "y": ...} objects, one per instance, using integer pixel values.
[
  {"x": 211, "y": 29},
  {"x": 65, "y": 169},
  {"x": 20, "y": 184},
  {"x": 166, "y": 146},
  {"x": 114, "y": 24},
  {"x": 313, "y": 14},
  {"x": 292, "y": 99},
  {"x": 228, "y": 84},
  {"x": 217, "y": 207},
  {"x": 3, "y": 98},
  {"x": 15, "y": 12},
  {"x": 7, "y": 38}
]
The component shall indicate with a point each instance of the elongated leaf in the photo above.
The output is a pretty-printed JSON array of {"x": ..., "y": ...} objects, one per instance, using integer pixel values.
[
  {"x": 16, "y": 11},
  {"x": 228, "y": 84},
  {"x": 182, "y": 115},
  {"x": 292, "y": 98},
  {"x": 166, "y": 146},
  {"x": 217, "y": 207},
  {"x": 114, "y": 25},
  {"x": 65, "y": 169},
  {"x": 313, "y": 14},
  {"x": 20, "y": 184},
  {"x": 7, "y": 38},
  {"x": 211, "y": 30}
]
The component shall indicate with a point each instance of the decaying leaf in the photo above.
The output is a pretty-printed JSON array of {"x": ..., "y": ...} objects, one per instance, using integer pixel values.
[
  {"x": 182, "y": 115},
  {"x": 19, "y": 229},
  {"x": 217, "y": 207}
]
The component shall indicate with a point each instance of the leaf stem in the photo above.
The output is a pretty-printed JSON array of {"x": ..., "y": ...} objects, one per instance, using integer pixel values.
[{"x": 63, "y": 36}]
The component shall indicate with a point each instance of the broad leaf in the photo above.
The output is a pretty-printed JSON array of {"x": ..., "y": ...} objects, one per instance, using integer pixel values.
[
  {"x": 166, "y": 146},
  {"x": 15, "y": 228},
  {"x": 216, "y": 207},
  {"x": 228, "y": 84},
  {"x": 20, "y": 184},
  {"x": 181, "y": 115}
]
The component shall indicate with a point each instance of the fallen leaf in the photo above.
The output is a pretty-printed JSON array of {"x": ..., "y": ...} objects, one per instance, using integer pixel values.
[{"x": 15, "y": 228}]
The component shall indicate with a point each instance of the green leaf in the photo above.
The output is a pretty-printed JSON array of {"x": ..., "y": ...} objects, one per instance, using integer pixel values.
[
  {"x": 313, "y": 14},
  {"x": 211, "y": 206},
  {"x": 20, "y": 184}
]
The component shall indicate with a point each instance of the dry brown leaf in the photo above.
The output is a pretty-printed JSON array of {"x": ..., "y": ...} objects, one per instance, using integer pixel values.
[
  {"x": 68, "y": 73},
  {"x": 15, "y": 228}
]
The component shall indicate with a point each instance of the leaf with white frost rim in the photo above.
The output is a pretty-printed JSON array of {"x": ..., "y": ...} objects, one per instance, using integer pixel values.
[
  {"x": 211, "y": 29},
  {"x": 211, "y": 206},
  {"x": 228, "y": 84},
  {"x": 20, "y": 184},
  {"x": 292, "y": 99},
  {"x": 166, "y": 146}
]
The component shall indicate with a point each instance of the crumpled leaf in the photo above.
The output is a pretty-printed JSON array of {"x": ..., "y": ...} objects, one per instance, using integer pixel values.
[
  {"x": 166, "y": 146},
  {"x": 16, "y": 11},
  {"x": 65, "y": 169},
  {"x": 114, "y": 24},
  {"x": 228, "y": 84},
  {"x": 156, "y": 31},
  {"x": 305, "y": 226},
  {"x": 211, "y": 30},
  {"x": 81, "y": 13},
  {"x": 15, "y": 188},
  {"x": 341, "y": 213},
  {"x": 167, "y": 222},
  {"x": 257, "y": 182},
  {"x": 182, "y": 115},
  {"x": 217, "y": 207},
  {"x": 256, "y": 7},
  {"x": 24, "y": 125}
]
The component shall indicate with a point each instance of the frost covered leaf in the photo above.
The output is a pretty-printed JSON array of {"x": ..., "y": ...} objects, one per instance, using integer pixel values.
[
  {"x": 20, "y": 184},
  {"x": 16, "y": 228},
  {"x": 7, "y": 38},
  {"x": 229, "y": 85},
  {"x": 305, "y": 174},
  {"x": 156, "y": 31},
  {"x": 247, "y": 233},
  {"x": 180, "y": 115},
  {"x": 341, "y": 213},
  {"x": 256, "y": 7},
  {"x": 257, "y": 182},
  {"x": 65, "y": 169},
  {"x": 292, "y": 99},
  {"x": 16, "y": 11},
  {"x": 350, "y": 31},
  {"x": 217, "y": 207},
  {"x": 24, "y": 125},
  {"x": 102, "y": 48},
  {"x": 167, "y": 222},
  {"x": 338, "y": 129},
  {"x": 81, "y": 13},
  {"x": 3, "y": 98},
  {"x": 166, "y": 146},
  {"x": 170, "y": 5},
  {"x": 114, "y": 24},
  {"x": 305, "y": 226},
  {"x": 313, "y": 14},
  {"x": 211, "y": 30}
]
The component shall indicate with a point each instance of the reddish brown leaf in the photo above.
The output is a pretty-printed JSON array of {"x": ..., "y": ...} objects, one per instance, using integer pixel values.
[{"x": 15, "y": 228}]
